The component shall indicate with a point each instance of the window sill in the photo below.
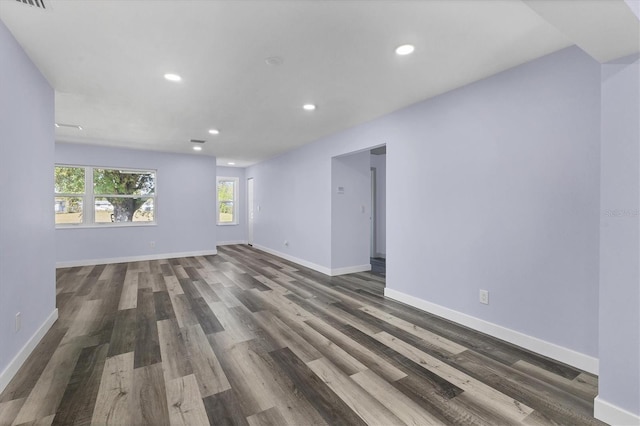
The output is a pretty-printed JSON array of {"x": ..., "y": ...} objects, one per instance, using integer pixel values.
[{"x": 108, "y": 225}]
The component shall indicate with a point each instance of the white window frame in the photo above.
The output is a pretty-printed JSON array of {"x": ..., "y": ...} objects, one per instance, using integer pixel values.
[
  {"x": 89, "y": 199},
  {"x": 236, "y": 200}
]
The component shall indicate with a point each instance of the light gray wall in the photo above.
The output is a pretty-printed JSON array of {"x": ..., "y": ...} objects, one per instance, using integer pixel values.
[
  {"x": 27, "y": 265},
  {"x": 379, "y": 162},
  {"x": 350, "y": 225},
  {"x": 235, "y": 233},
  {"x": 619, "y": 236},
  {"x": 185, "y": 198},
  {"x": 496, "y": 186}
]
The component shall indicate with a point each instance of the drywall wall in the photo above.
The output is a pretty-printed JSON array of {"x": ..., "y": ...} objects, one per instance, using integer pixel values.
[
  {"x": 496, "y": 186},
  {"x": 620, "y": 238},
  {"x": 186, "y": 206},
  {"x": 379, "y": 162},
  {"x": 27, "y": 265},
  {"x": 235, "y": 234},
  {"x": 350, "y": 212}
]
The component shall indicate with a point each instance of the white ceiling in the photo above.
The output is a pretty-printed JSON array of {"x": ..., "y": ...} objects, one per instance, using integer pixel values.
[{"x": 106, "y": 60}]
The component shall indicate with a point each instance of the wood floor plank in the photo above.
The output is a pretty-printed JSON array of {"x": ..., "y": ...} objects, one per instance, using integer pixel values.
[
  {"x": 363, "y": 404},
  {"x": 147, "y": 350},
  {"x": 45, "y": 397},
  {"x": 78, "y": 401},
  {"x": 374, "y": 362},
  {"x": 22, "y": 384},
  {"x": 420, "y": 332},
  {"x": 285, "y": 337},
  {"x": 123, "y": 338},
  {"x": 510, "y": 408},
  {"x": 129, "y": 296},
  {"x": 224, "y": 409},
  {"x": 185, "y": 402},
  {"x": 209, "y": 374},
  {"x": 327, "y": 403},
  {"x": 148, "y": 399},
  {"x": 113, "y": 403},
  {"x": 163, "y": 306},
  {"x": 10, "y": 409},
  {"x": 174, "y": 354},
  {"x": 270, "y": 417},
  {"x": 395, "y": 401}
]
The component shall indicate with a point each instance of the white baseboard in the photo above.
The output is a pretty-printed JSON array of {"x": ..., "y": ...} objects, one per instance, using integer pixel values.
[
  {"x": 231, "y": 243},
  {"x": 350, "y": 269},
  {"x": 293, "y": 259},
  {"x": 22, "y": 355},
  {"x": 88, "y": 262},
  {"x": 612, "y": 414},
  {"x": 542, "y": 347}
]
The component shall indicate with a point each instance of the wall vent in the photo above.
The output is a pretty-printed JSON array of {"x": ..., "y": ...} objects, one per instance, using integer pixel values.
[
  {"x": 35, "y": 3},
  {"x": 197, "y": 141}
]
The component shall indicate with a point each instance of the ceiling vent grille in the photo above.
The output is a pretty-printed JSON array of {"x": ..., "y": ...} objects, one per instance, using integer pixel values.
[
  {"x": 35, "y": 3},
  {"x": 196, "y": 141}
]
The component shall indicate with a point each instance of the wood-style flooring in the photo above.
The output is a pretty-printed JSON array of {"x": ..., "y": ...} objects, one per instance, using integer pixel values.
[{"x": 246, "y": 338}]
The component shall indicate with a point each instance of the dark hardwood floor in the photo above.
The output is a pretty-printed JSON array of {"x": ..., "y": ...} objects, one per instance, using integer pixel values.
[{"x": 247, "y": 338}]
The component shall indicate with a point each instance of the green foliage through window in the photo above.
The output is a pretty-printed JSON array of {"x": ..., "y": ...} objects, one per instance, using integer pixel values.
[
  {"x": 227, "y": 194},
  {"x": 117, "y": 195}
]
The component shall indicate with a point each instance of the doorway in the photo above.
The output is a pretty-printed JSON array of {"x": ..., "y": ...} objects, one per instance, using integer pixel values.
[
  {"x": 378, "y": 211},
  {"x": 250, "y": 211}
]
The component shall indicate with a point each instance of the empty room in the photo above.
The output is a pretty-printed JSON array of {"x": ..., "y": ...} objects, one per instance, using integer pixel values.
[{"x": 320, "y": 212}]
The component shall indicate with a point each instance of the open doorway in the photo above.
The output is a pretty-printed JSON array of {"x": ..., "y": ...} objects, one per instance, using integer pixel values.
[
  {"x": 250, "y": 211},
  {"x": 378, "y": 211}
]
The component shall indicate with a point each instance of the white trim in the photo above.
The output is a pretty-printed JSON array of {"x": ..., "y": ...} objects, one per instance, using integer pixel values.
[
  {"x": 22, "y": 355},
  {"x": 88, "y": 262},
  {"x": 612, "y": 414},
  {"x": 231, "y": 243},
  {"x": 350, "y": 269},
  {"x": 293, "y": 259},
  {"x": 542, "y": 347}
]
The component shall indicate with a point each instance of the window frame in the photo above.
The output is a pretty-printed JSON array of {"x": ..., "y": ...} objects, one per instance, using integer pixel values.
[
  {"x": 236, "y": 191},
  {"x": 89, "y": 198}
]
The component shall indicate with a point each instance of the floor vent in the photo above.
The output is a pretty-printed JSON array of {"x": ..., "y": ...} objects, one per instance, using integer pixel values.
[{"x": 35, "y": 3}]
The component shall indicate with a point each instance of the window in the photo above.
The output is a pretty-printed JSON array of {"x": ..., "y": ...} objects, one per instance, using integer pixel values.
[
  {"x": 117, "y": 195},
  {"x": 227, "y": 201}
]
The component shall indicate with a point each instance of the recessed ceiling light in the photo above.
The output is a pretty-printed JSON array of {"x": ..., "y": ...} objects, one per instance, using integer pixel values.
[
  {"x": 231, "y": 163},
  {"x": 405, "y": 49},
  {"x": 172, "y": 77},
  {"x": 214, "y": 131},
  {"x": 197, "y": 148},
  {"x": 309, "y": 107}
]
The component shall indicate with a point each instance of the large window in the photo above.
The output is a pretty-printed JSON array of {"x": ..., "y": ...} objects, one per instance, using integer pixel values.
[
  {"x": 117, "y": 195},
  {"x": 227, "y": 201}
]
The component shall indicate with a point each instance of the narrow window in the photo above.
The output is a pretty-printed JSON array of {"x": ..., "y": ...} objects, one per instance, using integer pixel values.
[{"x": 227, "y": 201}]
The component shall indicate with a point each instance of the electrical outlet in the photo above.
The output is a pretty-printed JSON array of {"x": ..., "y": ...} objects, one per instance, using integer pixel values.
[
  {"x": 484, "y": 297},
  {"x": 286, "y": 243},
  {"x": 152, "y": 244},
  {"x": 18, "y": 321}
]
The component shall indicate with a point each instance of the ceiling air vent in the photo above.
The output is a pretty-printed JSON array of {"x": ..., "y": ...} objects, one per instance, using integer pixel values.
[
  {"x": 196, "y": 141},
  {"x": 35, "y": 3}
]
